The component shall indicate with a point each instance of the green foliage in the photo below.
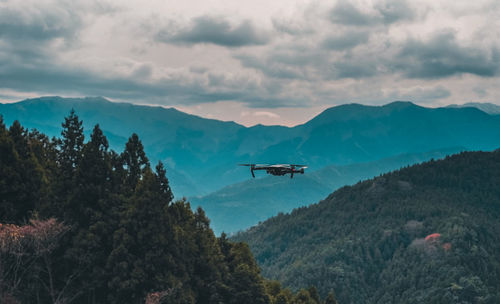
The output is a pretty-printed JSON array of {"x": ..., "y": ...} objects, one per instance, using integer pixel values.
[
  {"x": 424, "y": 234},
  {"x": 125, "y": 239}
]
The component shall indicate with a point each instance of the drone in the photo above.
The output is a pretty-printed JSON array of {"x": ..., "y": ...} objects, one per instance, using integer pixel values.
[{"x": 279, "y": 169}]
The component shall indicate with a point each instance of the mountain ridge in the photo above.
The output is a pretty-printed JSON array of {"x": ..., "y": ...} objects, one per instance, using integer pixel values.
[{"x": 197, "y": 148}]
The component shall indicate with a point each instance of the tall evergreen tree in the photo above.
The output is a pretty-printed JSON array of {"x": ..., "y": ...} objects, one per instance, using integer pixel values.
[
  {"x": 140, "y": 261},
  {"x": 135, "y": 161},
  {"x": 71, "y": 144},
  {"x": 20, "y": 177},
  {"x": 9, "y": 176},
  {"x": 95, "y": 223}
]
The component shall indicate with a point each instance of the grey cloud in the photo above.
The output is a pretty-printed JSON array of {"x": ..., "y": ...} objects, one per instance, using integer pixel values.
[
  {"x": 347, "y": 14},
  {"x": 308, "y": 65},
  {"x": 385, "y": 12},
  {"x": 442, "y": 56},
  {"x": 48, "y": 78},
  {"x": 395, "y": 10},
  {"x": 38, "y": 23},
  {"x": 422, "y": 95},
  {"x": 291, "y": 28},
  {"x": 480, "y": 92},
  {"x": 346, "y": 41},
  {"x": 354, "y": 69},
  {"x": 271, "y": 68},
  {"x": 215, "y": 31}
]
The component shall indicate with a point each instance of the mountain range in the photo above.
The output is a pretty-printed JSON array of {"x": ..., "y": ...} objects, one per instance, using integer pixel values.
[
  {"x": 486, "y": 107},
  {"x": 196, "y": 149},
  {"x": 423, "y": 234}
]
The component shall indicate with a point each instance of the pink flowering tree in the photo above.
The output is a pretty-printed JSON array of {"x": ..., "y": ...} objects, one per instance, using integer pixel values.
[{"x": 25, "y": 251}]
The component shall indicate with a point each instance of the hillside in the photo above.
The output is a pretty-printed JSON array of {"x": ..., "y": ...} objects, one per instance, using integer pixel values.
[
  {"x": 257, "y": 199},
  {"x": 195, "y": 149},
  {"x": 424, "y": 234}
]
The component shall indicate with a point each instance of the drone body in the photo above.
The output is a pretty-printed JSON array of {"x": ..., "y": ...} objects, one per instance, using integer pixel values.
[{"x": 278, "y": 169}]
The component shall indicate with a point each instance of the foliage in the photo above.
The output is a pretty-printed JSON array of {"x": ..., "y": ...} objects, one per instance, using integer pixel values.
[
  {"x": 424, "y": 234},
  {"x": 113, "y": 232},
  {"x": 25, "y": 258}
]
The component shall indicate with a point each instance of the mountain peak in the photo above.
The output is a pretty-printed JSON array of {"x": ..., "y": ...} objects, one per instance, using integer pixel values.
[
  {"x": 355, "y": 111},
  {"x": 400, "y": 104}
]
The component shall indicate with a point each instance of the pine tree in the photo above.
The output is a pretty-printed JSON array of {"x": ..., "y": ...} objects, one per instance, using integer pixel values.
[
  {"x": 71, "y": 144},
  {"x": 9, "y": 176},
  {"x": 161, "y": 176},
  {"x": 20, "y": 177},
  {"x": 135, "y": 161},
  {"x": 140, "y": 261},
  {"x": 95, "y": 224}
]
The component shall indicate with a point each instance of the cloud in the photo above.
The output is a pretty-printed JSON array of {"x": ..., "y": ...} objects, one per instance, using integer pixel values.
[
  {"x": 354, "y": 69},
  {"x": 211, "y": 30},
  {"x": 393, "y": 11},
  {"x": 347, "y": 14},
  {"x": 266, "y": 114},
  {"x": 383, "y": 12},
  {"x": 421, "y": 95},
  {"x": 346, "y": 41},
  {"x": 308, "y": 54},
  {"x": 441, "y": 56},
  {"x": 34, "y": 22}
]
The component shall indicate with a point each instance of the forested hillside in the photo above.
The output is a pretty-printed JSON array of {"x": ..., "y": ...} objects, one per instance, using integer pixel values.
[
  {"x": 80, "y": 223},
  {"x": 424, "y": 234},
  {"x": 258, "y": 199}
]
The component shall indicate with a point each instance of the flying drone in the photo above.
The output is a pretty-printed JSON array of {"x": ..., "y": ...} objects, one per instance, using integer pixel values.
[{"x": 278, "y": 169}]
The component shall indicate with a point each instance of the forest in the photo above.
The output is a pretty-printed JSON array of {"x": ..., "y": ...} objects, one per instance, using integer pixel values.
[
  {"x": 428, "y": 233},
  {"x": 81, "y": 223}
]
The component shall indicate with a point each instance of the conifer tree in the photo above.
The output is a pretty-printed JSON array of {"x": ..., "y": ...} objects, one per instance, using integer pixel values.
[
  {"x": 20, "y": 175},
  {"x": 95, "y": 223},
  {"x": 161, "y": 176},
  {"x": 9, "y": 176},
  {"x": 135, "y": 161},
  {"x": 71, "y": 144},
  {"x": 141, "y": 260}
]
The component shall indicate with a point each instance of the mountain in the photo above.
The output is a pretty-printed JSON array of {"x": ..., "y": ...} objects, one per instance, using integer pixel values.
[
  {"x": 203, "y": 153},
  {"x": 256, "y": 200},
  {"x": 424, "y": 234},
  {"x": 486, "y": 107}
]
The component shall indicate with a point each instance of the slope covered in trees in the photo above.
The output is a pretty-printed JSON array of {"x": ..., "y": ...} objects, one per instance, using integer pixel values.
[
  {"x": 424, "y": 234},
  {"x": 258, "y": 199},
  {"x": 80, "y": 223}
]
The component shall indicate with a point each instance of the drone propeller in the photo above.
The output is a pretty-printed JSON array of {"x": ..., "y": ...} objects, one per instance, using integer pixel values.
[{"x": 303, "y": 166}]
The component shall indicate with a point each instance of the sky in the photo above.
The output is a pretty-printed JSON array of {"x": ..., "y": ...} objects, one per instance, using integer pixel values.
[{"x": 269, "y": 62}]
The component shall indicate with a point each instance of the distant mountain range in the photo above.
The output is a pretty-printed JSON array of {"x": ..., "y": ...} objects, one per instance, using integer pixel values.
[
  {"x": 257, "y": 199},
  {"x": 201, "y": 154},
  {"x": 486, "y": 107},
  {"x": 424, "y": 234}
]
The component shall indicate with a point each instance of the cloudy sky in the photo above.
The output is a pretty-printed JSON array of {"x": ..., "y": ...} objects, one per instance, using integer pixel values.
[{"x": 259, "y": 61}]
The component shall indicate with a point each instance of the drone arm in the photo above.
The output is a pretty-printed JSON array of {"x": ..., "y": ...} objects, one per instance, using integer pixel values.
[{"x": 251, "y": 170}]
